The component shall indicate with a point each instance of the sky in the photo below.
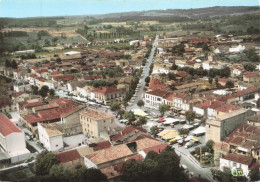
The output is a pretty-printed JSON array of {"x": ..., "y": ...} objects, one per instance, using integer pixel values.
[{"x": 36, "y": 8}]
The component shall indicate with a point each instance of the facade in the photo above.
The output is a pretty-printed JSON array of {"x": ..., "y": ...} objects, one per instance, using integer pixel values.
[
  {"x": 217, "y": 129},
  {"x": 50, "y": 135},
  {"x": 7, "y": 105},
  {"x": 95, "y": 122},
  {"x": 251, "y": 77},
  {"x": 12, "y": 140},
  {"x": 22, "y": 86},
  {"x": 109, "y": 94},
  {"x": 235, "y": 161}
]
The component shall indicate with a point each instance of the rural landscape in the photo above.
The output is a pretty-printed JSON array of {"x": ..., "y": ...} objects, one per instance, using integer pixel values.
[{"x": 152, "y": 95}]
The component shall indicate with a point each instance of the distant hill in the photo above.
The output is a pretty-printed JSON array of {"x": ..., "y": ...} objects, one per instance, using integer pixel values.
[{"x": 216, "y": 11}]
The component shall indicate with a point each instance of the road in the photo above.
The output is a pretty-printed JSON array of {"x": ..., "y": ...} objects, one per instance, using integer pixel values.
[{"x": 140, "y": 89}]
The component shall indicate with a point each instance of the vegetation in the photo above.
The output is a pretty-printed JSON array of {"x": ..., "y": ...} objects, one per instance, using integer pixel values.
[
  {"x": 184, "y": 132},
  {"x": 115, "y": 106},
  {"x": 163, "y": 108},
  {"x": 249, "y": 66},
  {"x": 141, "y": 121},
  {"x": 190, "y": 116},
  {"x": 156, "y": 167},
  {"x": 140, "y": 103},
  {"x": 229, "y": 84},
  {"x": 130, "y": 116},
  {"x": 154, "y": 130},
  {"x": 48, "y": 168},
  {"x": 226, "y": 176}
]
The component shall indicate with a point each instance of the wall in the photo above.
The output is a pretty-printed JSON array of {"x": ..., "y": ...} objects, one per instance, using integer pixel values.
[{"x": 15, "y": 141}]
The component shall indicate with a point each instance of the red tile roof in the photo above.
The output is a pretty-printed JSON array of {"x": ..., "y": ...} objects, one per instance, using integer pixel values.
[
  {"x": 107, "y": 90},
  {"x": 96, "y": 114},
  {"x": 109, "y": 55},
  {"x": 7, "y": 127},
  {"x": 33, "y": 104},
  {"x": 200, "y": 41},
  {"x": 41, "y": 71},
  {"x": 102, "y": 145},
  {"x": 68, "y": 156},
  {"x": 55, "y": 73},
  {"x": 94, "y": 77},
  {"x": 203, "y": 105},
  {"x": 251, "y": 74},
  {"x": 17, "y": 94},
  {"x": 156, "y": 84},
  {"x": 189, "y": 50},
  {"x": 63, "y": 78},
  {"x": 126, "y": 131},
  {"x": 5, "y": 102},
  {"x": 182, "y": 74},
  {"x": 239, "y": 159},
  {"x": 158, "y": 149}
]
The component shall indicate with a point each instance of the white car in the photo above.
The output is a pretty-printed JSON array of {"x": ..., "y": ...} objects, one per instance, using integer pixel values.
[{"x": 188, "y": 145}]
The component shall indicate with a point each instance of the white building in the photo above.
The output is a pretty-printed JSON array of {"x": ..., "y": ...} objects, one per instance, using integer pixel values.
[
  {"x": 160, "y": 71},
  {"x": 50, "y": 136},
  {"x": 12, "y": 140},
  {"x": 235, "y": 162},
  {"x": 22, "y": 86},
  {"x": 239, "y": 48}
]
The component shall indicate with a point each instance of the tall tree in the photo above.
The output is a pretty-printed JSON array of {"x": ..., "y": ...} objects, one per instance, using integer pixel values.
[
  {"x": 190, "y": 116},
  {"x": 140, "y": 103},
  {"x": 141, "y": 121},
  {"x": 44, "y": 162},
  {"x": 163, "y": 108}
]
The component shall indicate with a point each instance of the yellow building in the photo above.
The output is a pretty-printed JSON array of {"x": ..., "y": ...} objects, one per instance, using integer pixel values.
[{"x": 95, "y": 122}]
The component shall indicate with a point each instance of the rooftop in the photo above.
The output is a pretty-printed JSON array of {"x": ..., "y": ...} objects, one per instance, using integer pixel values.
[
  {"x": 106, "y": 90},
  {"x": 7, "y": 127},
  {"x": 239, "y": 159},
  {"x": 52, "y": 129},
  {"x": 68, "y": 156},
  {"x": 95, "y": 114}
]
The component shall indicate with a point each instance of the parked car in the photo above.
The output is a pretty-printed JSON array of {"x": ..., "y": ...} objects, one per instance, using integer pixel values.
[{"x": 188, "y": 145}]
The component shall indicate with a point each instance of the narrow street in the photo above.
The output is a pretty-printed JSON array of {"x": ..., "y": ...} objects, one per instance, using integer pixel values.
[{"x": 140, "y": 88}]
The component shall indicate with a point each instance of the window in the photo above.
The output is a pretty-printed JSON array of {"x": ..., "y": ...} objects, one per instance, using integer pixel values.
[
  {"x": 234, "y": 164},
  {"x": 209, "y": 126},
  {"x": 257, "y": 152},
  {"x": 57, "y": 145}
]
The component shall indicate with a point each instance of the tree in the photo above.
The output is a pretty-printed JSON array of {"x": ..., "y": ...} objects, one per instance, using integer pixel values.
[
  {"x": 171, "y": 76},
  {"x": 58, "y": 173},
  {"x": 140, "y": 103},
  {"x": 129, "y": 116},
  {"x": 210, "y": 80},
  {"x": 7, "y": 63},
  {"x": 141, "y": 121},
  {"x": 184, "y": 132},
  {"x": 147, "y": 80},
  {"x": 44, "y": 91},
  {"x": 252, "y": 55},
  {"x": 210, "y": 145},
  {"x": 174, "y": 66},
  {"x": 14, "y": 64},
  {"x": 52, "y": 92},
  {"x": 249, "y": 66},
  {"x": 216, "y": 81},
  {"x": 121, "y": 112},
  {"x": 35, "y": 90},
  {"x": 115, "y": 106},
  {"x": 154, "y": 130},
  {"x": 44, "y": 162},
  {"x": 254, "y": 175},
  {"x": 163, "y": 108},
  {"x": 190, "y": 116},
  {"x": 258, "y": 103},
  {"x": 229, "y": 84}
]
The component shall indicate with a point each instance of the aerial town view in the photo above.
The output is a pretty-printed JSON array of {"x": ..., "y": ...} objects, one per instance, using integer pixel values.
[{"x": 129, "y": 90}]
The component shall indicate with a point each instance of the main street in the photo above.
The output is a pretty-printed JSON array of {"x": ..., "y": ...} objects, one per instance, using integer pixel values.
[{"x": 140, "y": 88}]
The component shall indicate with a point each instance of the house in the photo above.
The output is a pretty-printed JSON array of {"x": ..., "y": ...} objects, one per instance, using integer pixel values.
[
  {"x": 95, "y": 123},
  {"x": 50, "y": 135},
  {"x": 19, "y": 74},
  {"x": 238, "y": 162},
  {"x": 251, "y": 77},
  {"x": 218, "y": 128},
  {"x": 72, "y": 86},
  {"x": 222, "y": 81},
  {"x": 7, "y": 105},
  {"x": 22, "y": 86},
  {"x": 156, "y": 84},
  {"x": 155, "y": 98},
  {"x": 128, "y": 69},
  {"x": 70, "y": 159},
  {"x": 109, "y": 94},
  {"x": 12, "y": 140},
  {"x": 128, "y": 134},
  {"x": 63, "y": 110},
  {"x": 237, "y": 49},
  {"x": 217, "y": 108}
]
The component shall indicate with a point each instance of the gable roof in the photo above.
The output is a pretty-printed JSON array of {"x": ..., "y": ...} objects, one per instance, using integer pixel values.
[
  {"x": 109, "y": 154},
  {"x": 156, "y": 84},
  {"x": 7, "y": 127},
  {"x": 106, "y": 90},
  {"x": 68, "y": 156},
  {"x": 96, "y": 114},
  {"x": 5, "y": 102},
  {"x": 126, "y": 131},
  {"x": 239, "y": 159}
]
